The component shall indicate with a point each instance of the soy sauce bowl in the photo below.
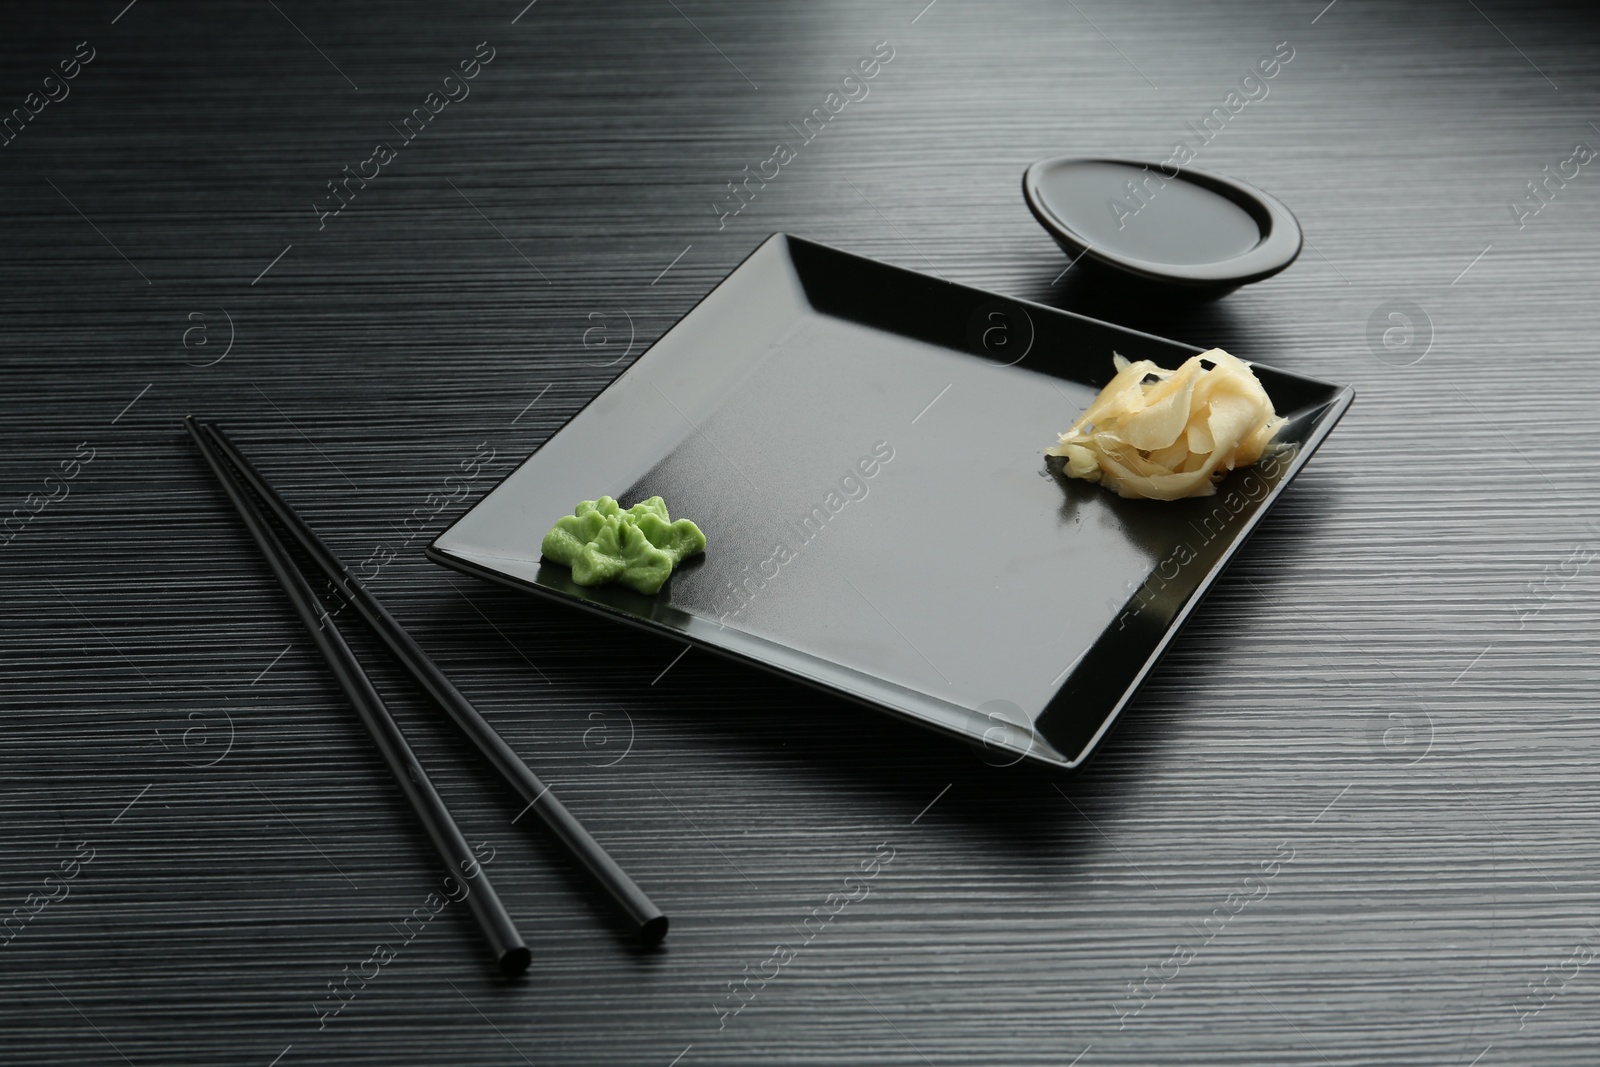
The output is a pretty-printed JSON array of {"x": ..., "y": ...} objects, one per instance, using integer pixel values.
[{"x": 1188, "y": 228}]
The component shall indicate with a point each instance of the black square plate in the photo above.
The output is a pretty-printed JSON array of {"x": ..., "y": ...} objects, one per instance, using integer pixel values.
[{"x": 863, "y": 447}]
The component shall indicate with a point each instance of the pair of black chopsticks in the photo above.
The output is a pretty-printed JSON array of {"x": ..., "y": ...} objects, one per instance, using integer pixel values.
[{"x": 509, "y": 950}]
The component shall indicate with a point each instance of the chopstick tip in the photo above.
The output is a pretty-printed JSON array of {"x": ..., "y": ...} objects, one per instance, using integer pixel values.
[
  {"x": 514, "y": 961},
  {"x": 653, "y": 931}
]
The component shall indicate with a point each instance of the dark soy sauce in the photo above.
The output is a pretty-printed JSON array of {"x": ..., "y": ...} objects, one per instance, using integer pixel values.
[{"x": 1156, "y": 219}]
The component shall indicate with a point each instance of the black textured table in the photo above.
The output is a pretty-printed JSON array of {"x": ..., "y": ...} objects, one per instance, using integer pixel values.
[{"x": 1350, "y": 820}]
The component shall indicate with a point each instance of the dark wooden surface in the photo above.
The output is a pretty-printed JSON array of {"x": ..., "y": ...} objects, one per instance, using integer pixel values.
[{"x": 1395, "y": 682}]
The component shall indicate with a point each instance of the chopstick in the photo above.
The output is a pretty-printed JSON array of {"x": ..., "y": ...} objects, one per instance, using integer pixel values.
[
  {"x": 510, "y": 953},
  {"x": 646, "y": 919}
]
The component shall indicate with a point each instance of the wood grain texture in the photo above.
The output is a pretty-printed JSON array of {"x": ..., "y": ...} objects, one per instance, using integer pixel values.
[{"x": 1396, "y": 680}]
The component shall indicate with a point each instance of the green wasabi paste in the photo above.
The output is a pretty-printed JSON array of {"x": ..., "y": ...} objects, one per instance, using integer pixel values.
[{"x": 638, "y": 547}]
